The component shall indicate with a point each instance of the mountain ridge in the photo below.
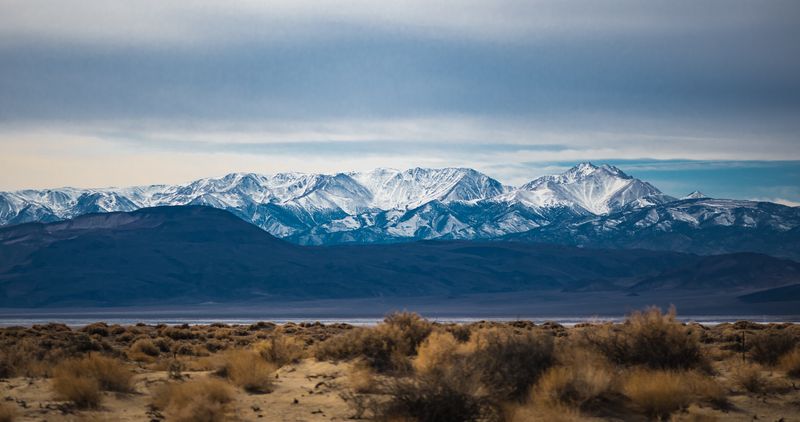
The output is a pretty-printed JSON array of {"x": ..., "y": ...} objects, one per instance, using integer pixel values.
[{"x": 388, "y": 205}]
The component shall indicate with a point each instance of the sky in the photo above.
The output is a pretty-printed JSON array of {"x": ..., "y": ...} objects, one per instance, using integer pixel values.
[{"x": 700, "y": 94}]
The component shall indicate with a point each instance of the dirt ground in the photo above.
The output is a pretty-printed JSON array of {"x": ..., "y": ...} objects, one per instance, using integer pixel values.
[
  {"x": 320, "y": 376},
  {"x": 306, "y": 391}
]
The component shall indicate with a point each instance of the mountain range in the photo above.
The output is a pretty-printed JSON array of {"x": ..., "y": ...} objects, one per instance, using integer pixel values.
[
  {"x": 181, "y": 255},
  {"x": 588, "y": 205}
]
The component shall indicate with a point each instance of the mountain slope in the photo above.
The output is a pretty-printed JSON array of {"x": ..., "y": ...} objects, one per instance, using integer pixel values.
[
  {"x": 192, "y": 254},
  {"x": 702, "y": 226}
]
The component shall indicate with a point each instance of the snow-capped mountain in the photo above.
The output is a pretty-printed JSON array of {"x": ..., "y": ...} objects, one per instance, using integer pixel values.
[
  {"x": 386, "y": 205},
  {"x": 695, "y": 195},
  {"x": 393, "y": 189},
  {"x": 697, "y": 224},
  {"x": 283, "y": 204},
  {"x": 588, "y": 189}
]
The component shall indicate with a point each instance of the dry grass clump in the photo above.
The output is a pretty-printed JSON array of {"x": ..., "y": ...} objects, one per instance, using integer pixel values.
[
  {"x": 7, "y": 412},
  {"x": 361, "y": 378},
  {"x": 146, "y": 346},
  {"x": 179, "y": 333},
  {"x": 98, "y": 328},
  {"x": 372, "y": 345},
  {"x": 438, "y": 351},
  {"x": 650, "y": 338},
  {"x": 204, "y": 400},
  {"x": 707, "y": 389},
  {"x": 84, "y": 392},
  {"x": 248, "y": 370},
  {"x": 750, "y": 378},
  {"x": 81, "y": 380},
  {"x": 23, "y": 358},
  {"x": 573, "y": 386},
  {"x": 281, "y": 349},
  {"x": 410, "y": 328},
  {"x": 385, "y": 348},
  {"x": 507, "y": 362},
  {"x": 767, "y": 348},
  {"x": 143, "y": 350},
  {"x": 658, "y": 393},
  {"x": 790, "y": 362}
]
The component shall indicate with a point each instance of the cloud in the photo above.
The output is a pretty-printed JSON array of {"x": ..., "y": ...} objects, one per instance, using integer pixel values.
[
  {"x": 98, "y": 92},
  {"x": 783, "y": 201},
  {"x": 201, "y": 22},
  {"x": 514, "y": 154}
]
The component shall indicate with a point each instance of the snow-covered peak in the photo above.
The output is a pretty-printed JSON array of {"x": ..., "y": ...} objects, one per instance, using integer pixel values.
[
  {"x": 695, "y": 195},
  {"x": 581, "y": 170},
  {"x": 596, "y": 189},
  {"x": 392, "y": 189},
  {"x": 375, "y": 180}
]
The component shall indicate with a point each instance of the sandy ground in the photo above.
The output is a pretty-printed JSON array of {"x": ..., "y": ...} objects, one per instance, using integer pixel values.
[
  {"x": 307, "y": 391},
  {"x": 310, "y": 391}
]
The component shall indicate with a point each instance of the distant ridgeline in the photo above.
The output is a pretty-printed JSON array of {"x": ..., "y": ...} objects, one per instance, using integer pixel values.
[
  {"x": 588, "y": 205},
  {"x": 196, "y": 254}
]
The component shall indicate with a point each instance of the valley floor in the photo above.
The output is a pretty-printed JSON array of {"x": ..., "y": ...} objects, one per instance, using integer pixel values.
[{"x": 709, "y": 306}]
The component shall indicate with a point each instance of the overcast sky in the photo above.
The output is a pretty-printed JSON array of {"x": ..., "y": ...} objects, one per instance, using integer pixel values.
[{"x": 691, "y": 94}]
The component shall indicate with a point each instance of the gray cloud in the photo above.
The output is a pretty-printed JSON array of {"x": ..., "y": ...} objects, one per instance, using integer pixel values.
[{"x": 487, "y": 84}]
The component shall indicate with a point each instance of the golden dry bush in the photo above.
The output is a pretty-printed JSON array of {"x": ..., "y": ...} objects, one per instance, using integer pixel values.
[
  {"x": 338, "y": 347},
  {"x": 707, "y": 389},
  {"x": 145, "y": 346},
  {"x": 790, "y": 363},
  {"x": 83, "y": 391},
  {"x": 143, "y": 350},
  {"x": 248, "y": 370},
  {"x": 409, "y": 329},
  {"x": 361, "y": 378},
  {"x": 379, "y": 347},
  {"x": 650, "y": 338},
  {"x": 204, "y": 400},
  {"x": 574, "y": 385},
  {"x": 26, "y": 358},
  {"x": 436, "y": 352},
  {"x": 658, "y": 393},
  {"x": 8, "y": 413},
  {"x": 97, "y": 328},
  {"x": 112, "y": 374},
  {"x": 749, "y": 377},
  {"x": 81, "y": 380},
  {"x": 281, "y": 349},
  {"x": 386, "y": 347}
]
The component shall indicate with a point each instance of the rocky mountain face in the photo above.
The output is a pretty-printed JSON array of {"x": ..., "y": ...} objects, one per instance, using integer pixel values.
[{"x": 586, "y": 205}]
